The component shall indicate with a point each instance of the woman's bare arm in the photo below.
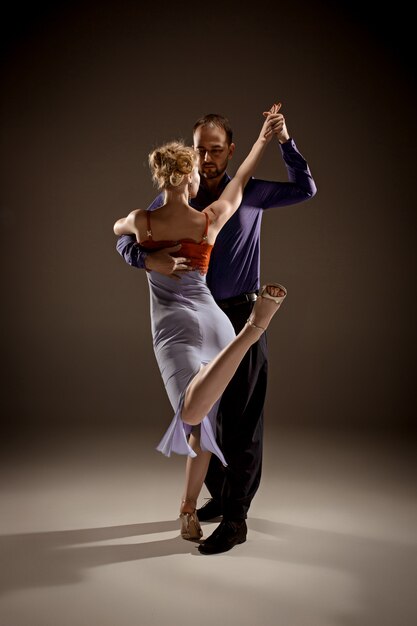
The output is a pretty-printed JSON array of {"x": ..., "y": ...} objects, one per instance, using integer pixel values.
[
  {"x": 128, "y": 225},
  {"x": 222, "y": 209}
]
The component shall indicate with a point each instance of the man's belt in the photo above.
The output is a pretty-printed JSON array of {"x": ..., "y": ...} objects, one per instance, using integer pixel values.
[{"x": 243, "y": 298}]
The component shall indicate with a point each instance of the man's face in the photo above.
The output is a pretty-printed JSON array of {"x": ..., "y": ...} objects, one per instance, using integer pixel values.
[{"x": 213, "y": 149}]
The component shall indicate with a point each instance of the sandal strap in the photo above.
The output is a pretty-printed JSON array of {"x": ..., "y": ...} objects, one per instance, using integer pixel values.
[{"x": 249, "y": 321}]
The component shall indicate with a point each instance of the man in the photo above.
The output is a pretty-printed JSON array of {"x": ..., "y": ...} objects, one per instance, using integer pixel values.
[{"x": 234, "y": 280}]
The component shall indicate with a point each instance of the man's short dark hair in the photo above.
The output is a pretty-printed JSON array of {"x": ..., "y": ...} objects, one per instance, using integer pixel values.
[{"x": 217, "y": 120}]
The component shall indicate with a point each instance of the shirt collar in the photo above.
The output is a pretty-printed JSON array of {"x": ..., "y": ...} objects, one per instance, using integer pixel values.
[{"x": 204, "y": 197}]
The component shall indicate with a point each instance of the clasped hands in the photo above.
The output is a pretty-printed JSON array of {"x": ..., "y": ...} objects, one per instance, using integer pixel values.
[{"x": 276, "y": 123}]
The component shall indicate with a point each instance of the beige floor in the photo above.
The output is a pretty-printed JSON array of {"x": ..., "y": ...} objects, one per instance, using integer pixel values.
[{"x": 89, "y": 536}]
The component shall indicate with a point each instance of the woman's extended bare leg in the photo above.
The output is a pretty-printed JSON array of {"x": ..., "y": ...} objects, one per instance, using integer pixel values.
[
  {"x": 210, "y": 382},
  {"x": 205, "y": 389}
]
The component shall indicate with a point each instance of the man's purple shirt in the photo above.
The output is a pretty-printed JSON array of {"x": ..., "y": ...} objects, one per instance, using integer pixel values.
[{"x": 235, "y": 260}]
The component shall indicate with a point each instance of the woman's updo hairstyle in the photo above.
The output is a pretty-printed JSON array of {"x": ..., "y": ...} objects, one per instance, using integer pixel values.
[{"x": 170, "y": 163}]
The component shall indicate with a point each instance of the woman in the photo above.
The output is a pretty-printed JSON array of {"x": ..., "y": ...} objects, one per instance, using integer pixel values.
[{"x": 195, "y": 345}]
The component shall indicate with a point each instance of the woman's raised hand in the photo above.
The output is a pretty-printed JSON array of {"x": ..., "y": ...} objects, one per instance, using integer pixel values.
[
  {"x": 270, "y": 123},
  {"x": 276, "y": 124}
]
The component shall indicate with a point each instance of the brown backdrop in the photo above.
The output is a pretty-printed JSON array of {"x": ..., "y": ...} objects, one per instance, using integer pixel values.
[{"x": 89, "y": 88}]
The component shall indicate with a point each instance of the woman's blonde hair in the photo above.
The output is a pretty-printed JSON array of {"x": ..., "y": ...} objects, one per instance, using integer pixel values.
[{"x": 170, "y": 163}]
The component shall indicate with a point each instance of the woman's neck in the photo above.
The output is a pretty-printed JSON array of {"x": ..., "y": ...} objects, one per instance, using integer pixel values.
[{"x": 177, "y": 200}]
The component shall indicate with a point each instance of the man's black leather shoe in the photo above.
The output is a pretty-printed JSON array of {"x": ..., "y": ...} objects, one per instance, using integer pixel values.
[
  {"x": 210, "y": 510},
  {"x": 227, "y": 535}
]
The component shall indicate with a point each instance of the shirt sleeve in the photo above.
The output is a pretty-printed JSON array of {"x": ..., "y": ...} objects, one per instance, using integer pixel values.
[
  {"x": 300, "y": 186},
  {"x": 128, "y": 247}
]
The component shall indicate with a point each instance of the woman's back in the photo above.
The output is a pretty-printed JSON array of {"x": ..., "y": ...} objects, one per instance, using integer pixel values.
[{"x": 196, "y": 249}]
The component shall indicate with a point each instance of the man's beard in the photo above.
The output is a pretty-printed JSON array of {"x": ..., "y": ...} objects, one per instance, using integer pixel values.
[{"x": 212, "y": 171}]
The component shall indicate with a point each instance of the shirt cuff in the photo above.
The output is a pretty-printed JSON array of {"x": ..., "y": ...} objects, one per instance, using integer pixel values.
[{"x": 288, "y": 145}]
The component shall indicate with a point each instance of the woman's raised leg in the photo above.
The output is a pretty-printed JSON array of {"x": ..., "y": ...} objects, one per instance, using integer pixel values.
[{"x": 210, "y": 382}]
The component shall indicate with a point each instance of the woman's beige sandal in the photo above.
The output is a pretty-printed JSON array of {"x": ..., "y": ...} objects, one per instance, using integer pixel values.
[
  {"x": 190, "y": 526},
  {"x": 277, "y": 299}
]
